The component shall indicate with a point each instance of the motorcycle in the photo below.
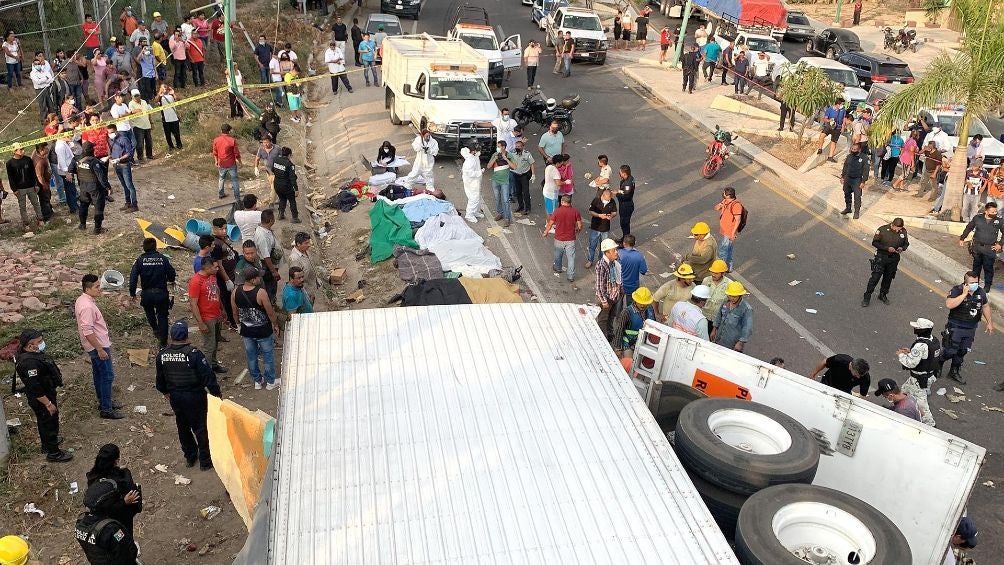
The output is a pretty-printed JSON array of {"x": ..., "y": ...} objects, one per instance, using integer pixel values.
[
  {"x": 890, "y": 38},
  {"x": 718, "y": 152},
  {"x": 535, "y": 108},
  {"x": 907, "y": 39}
]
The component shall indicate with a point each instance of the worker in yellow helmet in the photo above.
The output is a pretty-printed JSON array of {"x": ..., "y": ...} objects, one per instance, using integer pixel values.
[
  {"x": 734, "y": 322},
  {"x": 630, "y": 320},
  {"x": 705, "y": 250},
  {"x": 717, "y": 282},
  {"x": 674, "y": 291},
  {"x": 13, "y": 550}
]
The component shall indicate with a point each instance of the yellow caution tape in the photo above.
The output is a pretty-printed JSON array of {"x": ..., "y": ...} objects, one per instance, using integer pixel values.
[{"x": 63, "y": 134}]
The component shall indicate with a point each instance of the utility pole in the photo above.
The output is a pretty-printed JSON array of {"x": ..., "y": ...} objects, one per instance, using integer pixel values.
[
  {"x": 683, "y": 33},
  {"x": 228, "y": 18}
]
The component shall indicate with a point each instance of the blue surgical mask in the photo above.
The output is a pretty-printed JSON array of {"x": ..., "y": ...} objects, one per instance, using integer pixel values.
[
  {"x": 974, "y": 286},
  {"x": 41, "y": 346}
]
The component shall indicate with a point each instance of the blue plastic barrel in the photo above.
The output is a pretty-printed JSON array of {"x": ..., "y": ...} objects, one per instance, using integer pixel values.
[{"x": 202, "y": 227}]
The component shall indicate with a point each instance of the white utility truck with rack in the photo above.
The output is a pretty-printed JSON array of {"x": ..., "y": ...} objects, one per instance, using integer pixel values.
[
  {"x": 439, "y": 84},
  {"x": 470, "y": 24},
  {"x": 588, "y": 33}
]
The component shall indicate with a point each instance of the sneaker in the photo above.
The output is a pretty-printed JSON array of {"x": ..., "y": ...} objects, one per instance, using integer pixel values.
[
  {"x": 217, "y": 368},
  {"x": 271, "y": 386},
  {"x": 297, "y": 220},
  {"x": 589, "y": 264},
  {"x": 506, "y": 223},
  {"x": 99, "y": 231},
  {"x": 190, "y": 461},
  {"x": 471, "y": 219},
  {"x": 125, "y": 207},
  {"x": 111, "y": 415},
  {"x": 109, "y": 198},
  {"x": 82, "y": 227},
  {"x": 59, "y": 457},
  {"x": 257, "y": 385}
]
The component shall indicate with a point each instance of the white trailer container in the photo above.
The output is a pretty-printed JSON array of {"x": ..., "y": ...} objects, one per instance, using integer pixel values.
[
  {"x": 440, "y": 84},
  {"x": 505, "y": 433},
  {"x": 917, "y": 476}
]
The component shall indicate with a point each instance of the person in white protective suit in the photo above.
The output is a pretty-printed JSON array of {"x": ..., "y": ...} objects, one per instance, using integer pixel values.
[
  {"x": 471, "y": 173},
  {"x": 426, "y": 148}
]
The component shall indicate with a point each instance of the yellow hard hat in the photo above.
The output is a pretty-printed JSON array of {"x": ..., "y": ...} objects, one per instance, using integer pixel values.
[
  {"x": 735, "y": 288},
  {"x": 156, "y": 14},
  {"x": 13, "y": 550},
  {"x": 684, "y": 271},
  {"x": 718, "y": 266},
  {"x": 642, "y": 296},
  {"x": 700, "y": 228}
]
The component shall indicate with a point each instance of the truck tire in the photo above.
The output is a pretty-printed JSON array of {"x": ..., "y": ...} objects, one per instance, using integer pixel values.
[
  {"x": 392, "y": 108},
  {"x": 673, "y": 398},
  {"x": 744, "y": 447},
  {"x": 816, "y": 522},
  {"x": 723, "y": 505}
]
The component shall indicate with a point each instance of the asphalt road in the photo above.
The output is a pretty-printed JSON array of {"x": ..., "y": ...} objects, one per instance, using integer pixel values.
[{"x": 831, "y": 259}]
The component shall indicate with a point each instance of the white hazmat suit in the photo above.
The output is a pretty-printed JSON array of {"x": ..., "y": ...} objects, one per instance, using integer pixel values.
[
  {"x": 471, "y": 174},
  {"x": 425, "y": 161}
]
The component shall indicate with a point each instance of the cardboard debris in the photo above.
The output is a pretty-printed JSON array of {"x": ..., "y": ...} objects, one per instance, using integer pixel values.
[
  {"x": 182, "y": 480},
  {"x": 794, "y": 283},
  {"x": 958, "y": 390},
  {"x": 950, "y": 413},
  {"x": 162, "y": 468},
  {"x": 986, "y": 408},
  {"x": 526, "y": 222},
  {"x": 989, "y": 484},
  {"x": 955, "y": 399},
  {"x": 356, "y": 296},
  {"x": 337, "y": 276},
  {"x": 140, "y": 357}
]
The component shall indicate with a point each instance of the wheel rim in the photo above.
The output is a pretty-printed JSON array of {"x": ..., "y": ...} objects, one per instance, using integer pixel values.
[
  {"x": 749, "y": 431},
  {"x": 823, "y": 534}
]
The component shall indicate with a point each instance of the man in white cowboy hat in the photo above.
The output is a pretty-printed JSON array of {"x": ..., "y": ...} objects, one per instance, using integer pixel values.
[{"x": 921, "y": 359}]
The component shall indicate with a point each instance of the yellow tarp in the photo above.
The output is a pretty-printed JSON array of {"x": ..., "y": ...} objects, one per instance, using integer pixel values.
[
  {"x": 491, "y": 291},
  {"x": 237, "y": 439}
]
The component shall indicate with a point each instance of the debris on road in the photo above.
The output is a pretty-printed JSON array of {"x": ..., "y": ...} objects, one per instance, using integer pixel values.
[
  {"x": 986, "y": 408},
  {"x": 791, "y": 256},
  {"x": 182, "y": 480},
  {"x": 955, "y": 399},
  {"x": 162, "y": 468},
  {"x": 794, "y": 283},
  {"x": 139, "y": 409},
  {"x": 811, "y": 310},
  {"x": 30, "y": 508},
  {"x": 941, "y": 391},
  {"x": 950, "y": 413},
  {"x": 74, "y": 488},
  {"x": 989, "y": 484},
  {"x": 210, "y": 512}
]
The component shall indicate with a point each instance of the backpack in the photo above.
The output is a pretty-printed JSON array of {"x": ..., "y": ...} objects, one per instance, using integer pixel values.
[{"x": 742, "y": 220}]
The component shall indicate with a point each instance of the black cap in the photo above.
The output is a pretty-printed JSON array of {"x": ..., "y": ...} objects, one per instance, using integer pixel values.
[
  {"x": 179, "y": 330},
  {"x": 968, "y": 532},
  {"x": 26, "y": 336},
  {"x": 886, "y": 386}
]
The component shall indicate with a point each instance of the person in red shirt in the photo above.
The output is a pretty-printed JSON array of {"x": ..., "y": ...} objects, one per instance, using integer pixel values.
[
  {"x": 97, "y": 136},
  {"x": 567, "y": 222},
  {"x": 227, "y": 157},
  {"x": 204, "y": 296},
  {"x": 92, "y": 35},
  {"x": 216, "y": 33},
  {"x": 196, "y": 52},
  {"x": 664, "y": 43}
]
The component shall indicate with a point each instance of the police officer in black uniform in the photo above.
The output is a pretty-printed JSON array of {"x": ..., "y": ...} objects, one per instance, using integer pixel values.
[
  {"x": 41, "y": 376},
  {"x": 967, "y": 303},
  {"x": 987, "y": 230},
  {"x": 889, "y": 241},
  {"x": 183, "y": 376},
  {"x": 285, "y": 183},
  {"x": 852, "y": 176},
  {"x": 153, "y": 271},
  {"x": 104, "y": 539},
  {"x": 92, "y": 178}
]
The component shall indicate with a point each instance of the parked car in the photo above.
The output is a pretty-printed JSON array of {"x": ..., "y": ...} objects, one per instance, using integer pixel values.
[
  {"x": 838, "y": 72},
  {"x": 833, "y": 42},
  {"x": 407, "y": 8},
  {"x": 874, "y": 67},
  {"x": 391, "y": 26},
  {"x": 541, "y": 8},
  {"x": 799, "y": 28}
]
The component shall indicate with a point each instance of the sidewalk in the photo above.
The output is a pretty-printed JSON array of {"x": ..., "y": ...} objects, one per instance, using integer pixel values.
[{"x": 818, "y": 185}]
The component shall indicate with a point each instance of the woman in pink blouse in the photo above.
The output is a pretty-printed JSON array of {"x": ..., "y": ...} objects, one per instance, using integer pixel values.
[
  {"x": 567, "y": 174},
  {"x": 908, "y": 159}
]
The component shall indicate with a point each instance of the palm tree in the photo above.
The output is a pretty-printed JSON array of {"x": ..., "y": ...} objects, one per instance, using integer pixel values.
[
  {"x": 807, "y": 89},
  {"x": 972, "y": 77}
]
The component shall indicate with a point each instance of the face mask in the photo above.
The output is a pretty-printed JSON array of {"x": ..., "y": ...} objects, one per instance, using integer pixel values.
[
  {"x": 112, "y": 135},
  {"x": 605, "y": 201},
  {"x": 505, "y": 117},
  {"x": 129, "y": 12},
  {"x": 261, "y": 42},
  {"x": 41, "y": 346},
  {"x": 974, "y": 286},
  {"x": 501, "y": 150}
]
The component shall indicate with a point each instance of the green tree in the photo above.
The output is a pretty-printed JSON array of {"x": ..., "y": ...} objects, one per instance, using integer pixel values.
[
  {"x": 807, "y": 89},
  {"x": 972, "y": 77}
]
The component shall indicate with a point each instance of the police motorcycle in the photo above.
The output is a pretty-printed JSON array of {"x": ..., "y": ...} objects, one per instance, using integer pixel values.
[{"x": 535, "y": 108}]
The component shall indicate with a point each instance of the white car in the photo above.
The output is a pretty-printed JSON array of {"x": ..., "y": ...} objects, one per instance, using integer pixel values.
[{"x": 838, "y": 72}]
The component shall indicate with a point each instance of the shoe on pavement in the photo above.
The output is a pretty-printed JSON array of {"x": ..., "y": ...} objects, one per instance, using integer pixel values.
[
  {"x": 271, "y": 386},
  {"x": 845, "y": 211},
  {"x": 498, "y": 217},
  {"x": 819, "y": 151},
  {"x": 506, "y": 223},
  {"x": 471, "y": 219},
  {"x": 257, "y": 385},
  {"x": 125, "y": 207},
  {"x": 589, "y": 264},
  {"x": 884, "y": 299},
  {"x": 857, "y": 214},
  {"x": 190, "y": 461},
  {"x": 109, "y": 198},
  {"x": 866, "y": 301},
  {"x": 206, "y": 467},
  {"x": 99, "y": 231},
  {"x": 217, "y": 368},
  {"x": 111, "y": 415},
  {"x": 297, "y": 220},
  {"x": 956, "y": 376},
  {"x": 59, "y": 457}
]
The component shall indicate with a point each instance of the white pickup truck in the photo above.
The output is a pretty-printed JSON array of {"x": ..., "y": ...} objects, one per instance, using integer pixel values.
[
  {"x": 470, "y": 24},
  {"x": 916, "y": 477},
  {"x": 755, "y": 43},
  {"x": 588, "y": 33},
  {"x": 440, "y": 84}
]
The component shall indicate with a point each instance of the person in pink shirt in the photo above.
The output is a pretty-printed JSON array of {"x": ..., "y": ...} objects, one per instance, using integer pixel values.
[
  {"x": 97, "y": 343},
  {"x": 178, "y": 47},
  {"x": 907, "y": 158}
]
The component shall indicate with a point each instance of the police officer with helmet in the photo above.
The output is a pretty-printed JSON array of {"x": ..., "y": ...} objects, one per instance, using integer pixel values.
[
  {"x": 105, "y": 540},
  {"x": 41, "y": 377},
  {"x": 921, "y": 359},
  {"x": 890, "y": 241},
  {"x": 153, "y": 271},
  {"x": 183, "y": 376},
  {"x": 967, "y": 304}
]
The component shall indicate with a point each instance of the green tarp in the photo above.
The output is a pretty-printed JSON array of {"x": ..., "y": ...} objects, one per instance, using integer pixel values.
[{"x": 388, "y": 226}]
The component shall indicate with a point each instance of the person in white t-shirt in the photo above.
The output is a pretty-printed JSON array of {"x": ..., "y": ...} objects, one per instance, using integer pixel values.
[
  {"x": 120, "y": 109},
  {"x": 275, "y": 75},
  {"x": 334, "y": 57},
  {"x": 249, "y": 217},
  {"x": 13, "y": 57},
  {"x": 552, "y": 183}
]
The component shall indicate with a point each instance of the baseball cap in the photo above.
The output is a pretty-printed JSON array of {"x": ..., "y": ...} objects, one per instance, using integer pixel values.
[
  {"x": 179, "y": 330},
  {"x": 922, "y": 324},
  {"x": 886, "y": 386},
  {"x": 135, "y": 92},
  {"x": 967, "y": 531}
]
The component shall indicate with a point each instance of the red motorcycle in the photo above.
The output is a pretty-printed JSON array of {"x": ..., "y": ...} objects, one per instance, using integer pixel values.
[{"x": 718, "y": 152}]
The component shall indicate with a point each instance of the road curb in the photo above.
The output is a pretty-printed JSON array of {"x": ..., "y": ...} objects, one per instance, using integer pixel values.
[{"x": 947, "y": 268}]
